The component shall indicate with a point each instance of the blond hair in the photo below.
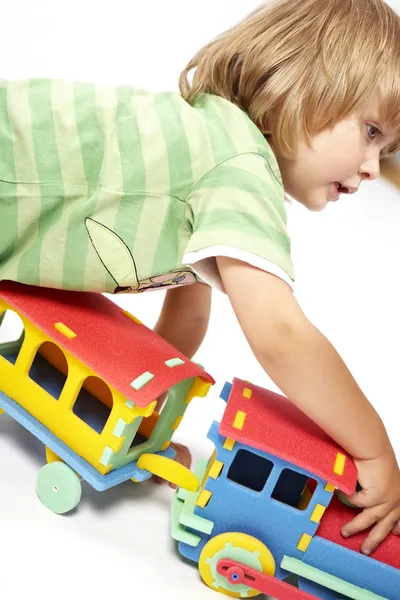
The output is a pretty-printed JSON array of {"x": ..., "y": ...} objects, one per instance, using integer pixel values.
[{"x": 297, "y": 67}]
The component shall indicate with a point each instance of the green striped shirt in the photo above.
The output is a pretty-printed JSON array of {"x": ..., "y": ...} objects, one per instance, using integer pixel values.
[{"x": 113, "y": 189}]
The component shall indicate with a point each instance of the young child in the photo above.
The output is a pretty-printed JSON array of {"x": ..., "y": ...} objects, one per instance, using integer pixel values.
[{"x": 120, "y": 190}]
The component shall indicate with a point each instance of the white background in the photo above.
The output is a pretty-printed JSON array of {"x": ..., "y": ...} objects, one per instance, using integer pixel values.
[{"x": 117, "y": 543}]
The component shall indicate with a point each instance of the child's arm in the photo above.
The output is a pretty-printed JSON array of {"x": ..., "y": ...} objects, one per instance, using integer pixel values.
[
  {"x": 183, "y": 322},
  {"x": 184, "y": 317},
  {"x": 306, "y": 367}
]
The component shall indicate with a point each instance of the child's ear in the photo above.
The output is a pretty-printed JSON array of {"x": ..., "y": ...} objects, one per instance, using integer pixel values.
[{"x": 114, "y": 254}]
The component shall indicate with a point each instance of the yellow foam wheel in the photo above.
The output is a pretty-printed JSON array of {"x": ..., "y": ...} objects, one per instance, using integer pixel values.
[{"x": 240, "y": 547}]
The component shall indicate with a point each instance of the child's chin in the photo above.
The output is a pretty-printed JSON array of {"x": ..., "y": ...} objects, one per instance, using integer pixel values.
[{"x": 314, "y": 203}]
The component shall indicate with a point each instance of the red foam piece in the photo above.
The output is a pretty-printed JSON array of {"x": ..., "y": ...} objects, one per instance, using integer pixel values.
[
  {"x": 262, "y": 582},
  {"x": 274, "y": 424},
  {"x": 112, "y": 345},
  {"x": 337, "y": 515}
]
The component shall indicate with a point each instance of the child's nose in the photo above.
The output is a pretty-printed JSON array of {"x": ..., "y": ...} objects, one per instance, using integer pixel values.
[{"x": 370, "y": 170}]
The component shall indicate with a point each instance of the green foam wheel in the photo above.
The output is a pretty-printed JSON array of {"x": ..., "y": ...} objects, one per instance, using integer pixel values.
[{"x": 58, "y": 487}]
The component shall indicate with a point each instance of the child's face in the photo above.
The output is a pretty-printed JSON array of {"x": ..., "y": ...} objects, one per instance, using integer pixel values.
[{"x": 348, "y": 154}]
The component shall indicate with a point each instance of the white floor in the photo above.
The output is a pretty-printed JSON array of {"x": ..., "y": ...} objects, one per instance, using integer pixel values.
[{"x": 116, "y": 544}]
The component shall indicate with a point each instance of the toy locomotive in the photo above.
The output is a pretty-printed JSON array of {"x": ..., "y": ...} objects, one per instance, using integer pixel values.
[{"x": 270, "y": 506}]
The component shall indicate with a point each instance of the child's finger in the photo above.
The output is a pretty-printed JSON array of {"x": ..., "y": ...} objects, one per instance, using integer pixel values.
[
  {"x": 364, "y": 520},
  {"x": 379, "y": 533},
  {"x": 396, "y": 528}
]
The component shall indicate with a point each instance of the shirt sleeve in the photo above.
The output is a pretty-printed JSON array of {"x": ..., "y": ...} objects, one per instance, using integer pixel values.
[{"x": 237, "y": 210}]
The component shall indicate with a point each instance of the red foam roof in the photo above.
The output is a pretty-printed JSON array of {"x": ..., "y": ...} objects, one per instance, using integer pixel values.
[
  {"x": 110, "y": 343},
  {"x": 273, "y": 424}
]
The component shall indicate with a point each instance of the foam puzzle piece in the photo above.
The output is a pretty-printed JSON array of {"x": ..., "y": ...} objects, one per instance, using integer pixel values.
[
  {"x": 187, "y": 516},
  {"x": 354, "y": 567},
  {"x": 178, "y": 531},
  {"x": 97, "y": 322},
  {"x": 261, "y": 488},
  {"x": 169, "y": 470},
  {"x": 58, "y": 487},
  {"x": 266, "y": 584},
  {"x": 341, "y": 587},
  {"x": 235, "y": 507},
  {"x": 86, "y": 471},
  {"x": 272, "y": 423}
]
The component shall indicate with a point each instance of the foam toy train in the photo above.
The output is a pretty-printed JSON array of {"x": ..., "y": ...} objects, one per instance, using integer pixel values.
[
  {"x": 271, "y": 506},
  {"x": 84, "y": 377}
]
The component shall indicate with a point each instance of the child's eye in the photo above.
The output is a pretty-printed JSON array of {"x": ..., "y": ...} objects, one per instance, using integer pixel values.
[{"x": 373, "y": 132}]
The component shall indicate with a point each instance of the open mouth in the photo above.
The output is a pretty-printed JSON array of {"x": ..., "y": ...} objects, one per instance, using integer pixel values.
[{"x": 342, "y": 189}]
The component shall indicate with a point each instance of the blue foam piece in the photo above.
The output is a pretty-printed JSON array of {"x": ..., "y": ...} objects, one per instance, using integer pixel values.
[
  {"x": 234, "y": 507},
  {"x": 98, "y": 481},
  {"x": 226, "y": 391},
  {"x": 353, "y": 567}
]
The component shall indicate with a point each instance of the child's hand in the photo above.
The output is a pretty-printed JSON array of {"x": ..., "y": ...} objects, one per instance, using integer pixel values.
[
  {"x": 183, "y": 457},
  {"x": 380, "y": 499}
]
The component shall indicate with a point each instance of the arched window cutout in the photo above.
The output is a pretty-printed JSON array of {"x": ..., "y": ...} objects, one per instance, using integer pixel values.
[
  {"x": 50, "y": 369},
  {"x": 94, "y": 403},
  {"x": 12, "y": 334}
]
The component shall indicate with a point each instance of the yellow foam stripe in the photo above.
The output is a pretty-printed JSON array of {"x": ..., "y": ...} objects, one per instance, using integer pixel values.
[
  {"x": 304, "y": 542},
  {"x": 210, "y": 464},
  {"x": 177, "y": 423},
  {"x": 229, "y": 444},
  {"x": 339, "y": 464},
  {"x": 330, "y": 488},
  {"x": 65, "y": 330},
  {"x": 204, "y": 498},
  {"x": 131, "y": 317},
  {"x": 216, "y": 469},
  {"x": 318, "y": 513},
  {"x": 239, "y": 419},
  {"x": 247, "y": 392},
  {"x": 165, "y": 446}
]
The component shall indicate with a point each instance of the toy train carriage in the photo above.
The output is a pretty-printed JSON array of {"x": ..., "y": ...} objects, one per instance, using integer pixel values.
[
  {"x": 268, "y": 508},
  {"x": 84, "y": 378}
]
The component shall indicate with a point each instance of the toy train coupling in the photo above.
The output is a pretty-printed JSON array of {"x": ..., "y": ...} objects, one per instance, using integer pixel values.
[
  {"x": 242, "y": 575},
  {"x": 171, "y": 471}
]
